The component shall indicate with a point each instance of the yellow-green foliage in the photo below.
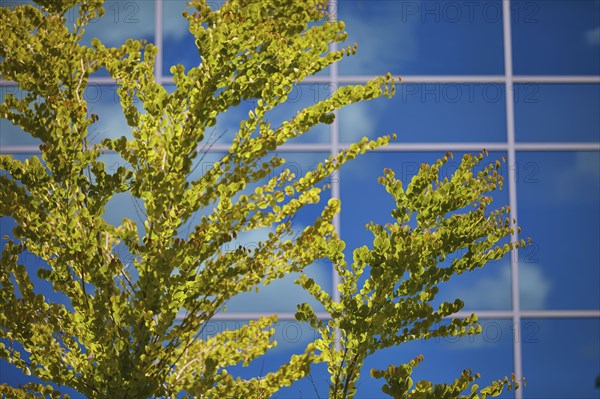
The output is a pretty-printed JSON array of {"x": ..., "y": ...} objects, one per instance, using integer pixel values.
[{"x": 120, "y": 336}]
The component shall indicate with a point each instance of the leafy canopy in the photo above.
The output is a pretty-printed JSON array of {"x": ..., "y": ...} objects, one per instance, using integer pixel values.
[{"x": 133, "y": 332}]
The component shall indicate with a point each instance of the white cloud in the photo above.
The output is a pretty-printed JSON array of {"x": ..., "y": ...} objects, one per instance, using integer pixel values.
[
  {"x": 587, "y": 163},
  {"x": 380, "y": 43},
  {"x": 282, "y": 294},
  {"x": 123, "y": 20},
  {"x": 175, "y": 27},
  {"x": 357, "y": 121},
  {"x": 123, "y": 205},
  {"x": 493, "y": 291},
  {"x": 112, "y": 123},
  {"x": 579, "y": 181},
  {"x": 534, "y": 286},
  {"x": 592, "y": 37}
]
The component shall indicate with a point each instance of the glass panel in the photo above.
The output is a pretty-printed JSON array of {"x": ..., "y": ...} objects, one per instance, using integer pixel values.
[
  {"x": 561, "y": 358},
  {"x": 31, "y": 261},
  {"x": 178, "y": 42},
  {"x": 283, "y": 295},
  {"x": 557, "y": 112},
  {"x": 454, "y": 353},
  {"x": 179, "y": 46},
  {"x": 292, "y": 338},
  {"x": 122, "y": 205},
  {"x": 104, "y": 101},
  {"x": 484, "y": 289},
  {"x": 558, "y": 195},
  {"x": 489, "y": 354},
  {"x": 123, "y": 20},
  {"x": 423, "y": 37},
  {"x": 13, "y": 376},
  {"x": 560, "y": 37},
  {"x": 9, "y": 133},
  {"x": 430, "y": 112},
  {"x": 301, "y": 97}
]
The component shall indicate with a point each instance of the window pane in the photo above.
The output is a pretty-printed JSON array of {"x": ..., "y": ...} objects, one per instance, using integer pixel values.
[
  {"x": 136, "y": 19},
  {"x": 292, "y": 338},
  {"x": 489, "y": 354},
  {"x": 561, "y": 358},
  {"x": 430, "y": 113},
  {"x": 178, "y": 42},
  {"x": 179, "y": 46},
  {"x": 13, "y": 376},
  {"x": 9, "y": 133},
  {"x": 483, "y": 289},
  {"x": 559, "y": 37},
  {"x": 283, "y": 295},
  {"x": 423, "y": 37},
  {"x": 557, "y": 112},
  {"x": 558, "y": 194},
  {"x": 123, "y": 20},
  {"x": 104, "y": 101},
  {"x": 300, "y": 97}
]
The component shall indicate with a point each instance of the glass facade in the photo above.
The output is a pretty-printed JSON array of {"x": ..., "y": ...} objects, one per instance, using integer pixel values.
[{"x": 519, "y": 78}]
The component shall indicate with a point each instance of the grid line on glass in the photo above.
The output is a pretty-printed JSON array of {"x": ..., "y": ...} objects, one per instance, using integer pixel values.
[
  {"x": 392, "y": 147},
  {"x": 335, "y": 141},
  {"x": 158, "y": 37},
  {"x": 566, "y": 79},
  {"x": 483, "y": 314},
  {"x": 512, "y": 185}
]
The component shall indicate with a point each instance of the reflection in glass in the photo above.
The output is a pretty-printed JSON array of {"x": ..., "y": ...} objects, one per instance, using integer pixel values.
[
  {"x": 558, "y": 194},
  {"x": 292, "y": 337},
  {"x": 557, "y": 112},
  {"x": 423, "y": 37},
  {"x": 104, "y": 101},
  {"x": 559, "y": 37},
  {"x": 122, "y": 20},
  {"x": 283, "y": 295},
  {"x": 178, "y": 42},
  {"x": 11, "y": 134},
  {"x": 483, "y": 289},
  {"x": 300, "y": 97},
  {"x": 561, "y": 358},
  {"x": 430, "y": 112},
  {"x": 445, "y": 358}
]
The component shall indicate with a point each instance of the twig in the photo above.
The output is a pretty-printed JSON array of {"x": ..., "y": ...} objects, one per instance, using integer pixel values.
[{"x": 312, "y": 381}]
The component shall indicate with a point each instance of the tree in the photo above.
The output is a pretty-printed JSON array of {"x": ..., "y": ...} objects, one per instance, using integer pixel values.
[{"x": 117, "y": 334}]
